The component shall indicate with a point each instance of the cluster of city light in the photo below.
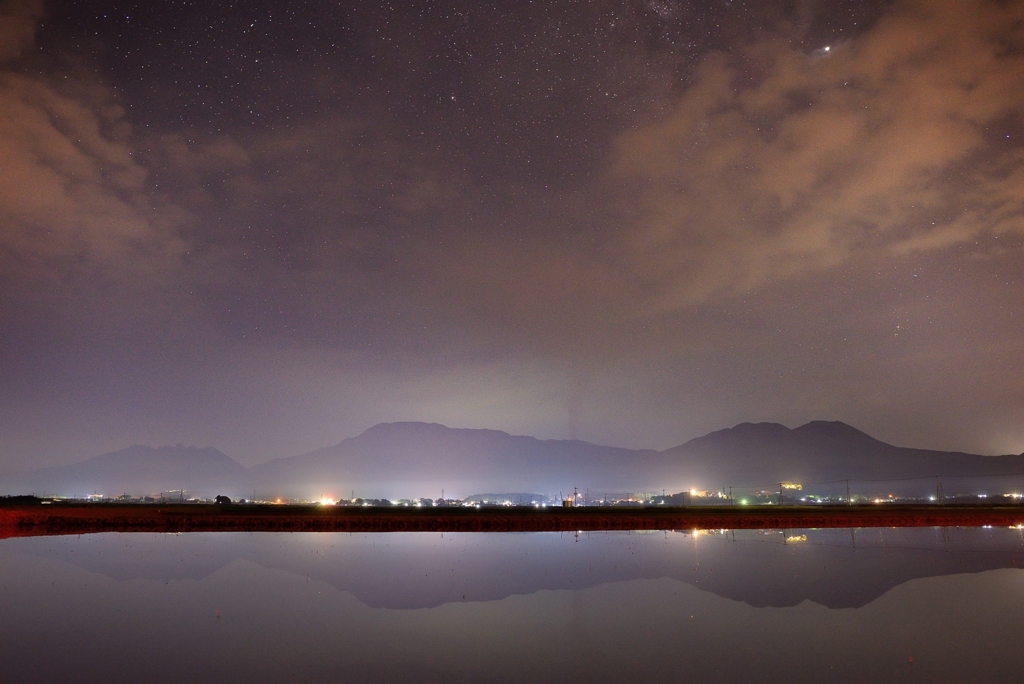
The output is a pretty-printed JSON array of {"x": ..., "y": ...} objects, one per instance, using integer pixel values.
[
  {"x": 696, "y": 532},
  {"x": 763, "y": 497}
]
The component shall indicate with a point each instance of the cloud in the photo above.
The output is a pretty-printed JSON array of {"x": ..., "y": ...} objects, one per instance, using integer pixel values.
[
  {"x": 776, "y": 164},
  {"x": 69, "y": 187},
  {"x": 81, "y": 225},
  {"x": 18, "y": 21}
]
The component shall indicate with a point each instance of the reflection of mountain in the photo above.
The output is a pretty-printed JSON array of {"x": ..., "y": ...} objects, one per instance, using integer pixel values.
[
  {"x": 406, "y": 460},
  {"x": 835, "y": 568}
]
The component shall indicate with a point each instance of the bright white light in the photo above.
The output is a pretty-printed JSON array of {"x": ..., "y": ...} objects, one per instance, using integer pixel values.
[{"x": 326, "y": 502}]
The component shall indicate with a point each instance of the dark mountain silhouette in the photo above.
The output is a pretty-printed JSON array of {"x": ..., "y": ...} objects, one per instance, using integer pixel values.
[
  {"x": 135, "y": 470},
  {"x": 407, "y": 460},
  {"x": 766, "y": 453},
  {"x": 393, "y": 458},
  {"x": 422, "y": 459}
]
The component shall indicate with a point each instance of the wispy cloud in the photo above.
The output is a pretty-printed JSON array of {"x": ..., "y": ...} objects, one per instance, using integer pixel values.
[{"x": 776, "y": 163}]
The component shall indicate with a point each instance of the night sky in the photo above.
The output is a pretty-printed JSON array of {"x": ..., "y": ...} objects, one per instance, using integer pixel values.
[{"x": 267, "y": 226}]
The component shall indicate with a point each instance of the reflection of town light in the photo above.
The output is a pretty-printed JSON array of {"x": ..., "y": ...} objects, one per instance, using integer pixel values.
[{"x": 798, "y": 538}]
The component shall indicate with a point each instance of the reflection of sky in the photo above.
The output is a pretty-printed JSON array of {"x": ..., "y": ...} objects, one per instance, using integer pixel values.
[{"x": 610, "y": 606}]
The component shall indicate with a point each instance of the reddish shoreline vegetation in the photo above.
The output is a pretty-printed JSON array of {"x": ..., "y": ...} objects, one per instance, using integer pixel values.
[{"x": 62, "y": 519}]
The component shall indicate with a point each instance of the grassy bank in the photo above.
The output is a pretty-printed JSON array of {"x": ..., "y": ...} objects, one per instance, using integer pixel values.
[{"x": 67, "y": 518}]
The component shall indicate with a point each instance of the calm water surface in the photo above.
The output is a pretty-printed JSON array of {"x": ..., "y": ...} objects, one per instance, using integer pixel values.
[{"x": 892, "y": 605}]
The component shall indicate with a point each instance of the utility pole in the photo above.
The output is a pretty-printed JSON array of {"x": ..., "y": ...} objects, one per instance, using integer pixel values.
[
  {"x": 848, "y": 502},
  {"x": 730, "y": 495},
  {"x": 938, "y": 491},
  {"x": 780, "y": 493}
]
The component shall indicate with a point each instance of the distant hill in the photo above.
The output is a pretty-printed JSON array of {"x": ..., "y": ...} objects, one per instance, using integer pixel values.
[
  {"x": 417, "y": 459},
  {"x": 411, "y": 460},
  {"x": 765, "y": 453},
  {"x": 135, "y": 470},
  {"x": 422, "y": 459}
]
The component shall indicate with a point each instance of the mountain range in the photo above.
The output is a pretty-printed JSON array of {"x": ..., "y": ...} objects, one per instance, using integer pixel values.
[{"x": 410, "y": 460}]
